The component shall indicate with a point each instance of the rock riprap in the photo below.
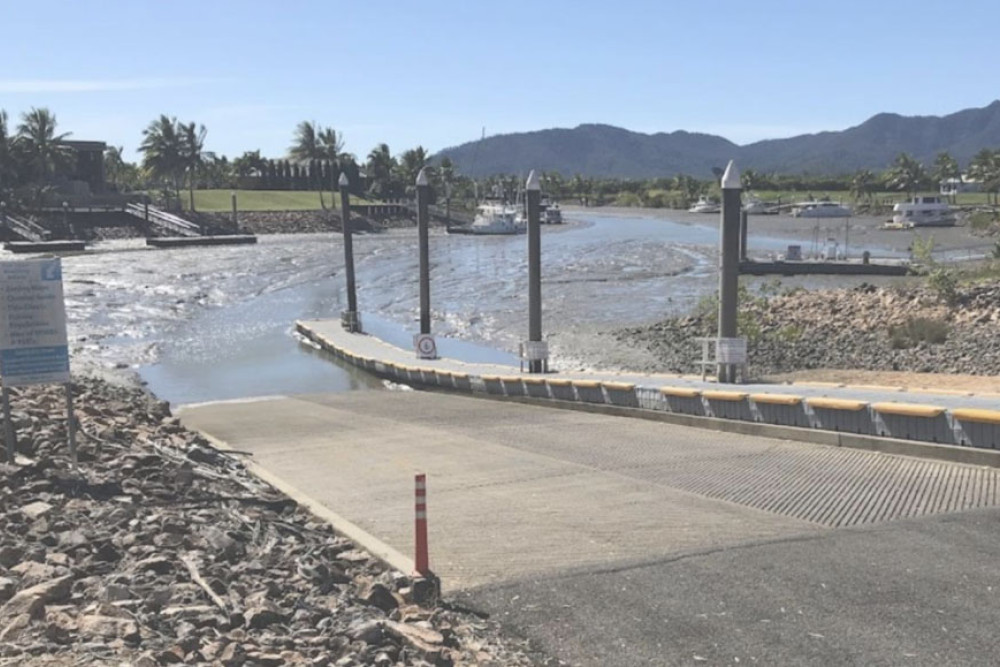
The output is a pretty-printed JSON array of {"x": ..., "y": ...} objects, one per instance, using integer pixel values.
[
  {"x": 869, "y": 328},
  {"x": 159, "y": 549}
]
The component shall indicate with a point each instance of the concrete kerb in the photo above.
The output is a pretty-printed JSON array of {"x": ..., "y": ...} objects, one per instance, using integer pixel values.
[
  {"x": 738, "y": 423},
  {"x": 376, "y": 547},
  {"x": 948, "y": 453}
]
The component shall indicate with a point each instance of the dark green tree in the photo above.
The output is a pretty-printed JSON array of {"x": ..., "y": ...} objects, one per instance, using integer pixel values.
[
  {"x": 381, "y": 168},
  {"x": 907, "y": 175},
  {"x": 43, "y": 148},
  {"x": 193, "y": 154},
  {"x": 863, "y": 185},
  {"x": 162, "y": 151},
  {"x": 946, "y": 168},
  {"x": 985, "y": 168}
]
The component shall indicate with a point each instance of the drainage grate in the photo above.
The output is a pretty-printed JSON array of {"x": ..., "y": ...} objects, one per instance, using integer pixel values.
[{"x": 833, "y": 487}]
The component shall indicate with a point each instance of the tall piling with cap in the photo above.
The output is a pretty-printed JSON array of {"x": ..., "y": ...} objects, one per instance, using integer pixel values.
[
  {"x": 423, "y": 226},
  {"x": 349, "y": 318},
  {"x": 236, "y": 219},
  {"x": 729, "y": 261},
  {"x": 533, "y": 194}
]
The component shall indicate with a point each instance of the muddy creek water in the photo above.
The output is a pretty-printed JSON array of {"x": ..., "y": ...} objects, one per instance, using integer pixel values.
[{"x": 215, "y": 323}]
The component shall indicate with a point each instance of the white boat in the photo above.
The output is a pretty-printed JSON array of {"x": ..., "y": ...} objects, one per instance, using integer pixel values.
[
  {"x": 823, "y": 208},
  {"x": 492, "y": 218},
  {"x": 754, "y": 205},
  {"x": 927, "y": 211},
  {"x": 703, "y": 205},
  {"x": 552, "y": 214}
]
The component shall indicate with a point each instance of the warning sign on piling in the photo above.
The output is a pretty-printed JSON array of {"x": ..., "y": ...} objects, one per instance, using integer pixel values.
[{"x": 33, "y": 345}]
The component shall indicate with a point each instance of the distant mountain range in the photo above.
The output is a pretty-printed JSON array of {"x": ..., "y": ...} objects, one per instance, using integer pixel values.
[{"x": 607, "y": 151}]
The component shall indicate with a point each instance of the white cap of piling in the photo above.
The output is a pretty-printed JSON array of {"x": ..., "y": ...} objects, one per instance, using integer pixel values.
[
  {"x": 422, "y": 177},
  {"x": 731, "y": 178},
  {"x": 533, "y": 182},
  {"x": 343, "y": 180}
]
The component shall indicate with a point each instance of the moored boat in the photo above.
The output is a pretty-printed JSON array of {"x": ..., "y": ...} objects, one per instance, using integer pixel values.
[
  {"x": 924, "y": 211},
  {"x": 703, "y": 205},
  {"x": 552, "y": 215},
  {"x": 823, "y": 208},
  {"x": 492, "y": 218},
  {"x": 754, "y": 205}
]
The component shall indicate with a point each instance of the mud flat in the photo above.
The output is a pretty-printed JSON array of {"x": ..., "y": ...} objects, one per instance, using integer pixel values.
[{"x": 864, "y": 232}]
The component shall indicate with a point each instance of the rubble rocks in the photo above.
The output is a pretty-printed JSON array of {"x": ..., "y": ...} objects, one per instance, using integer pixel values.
[
  {"x": 159, "y": 549},
  {"x": 870, "y": 328}
]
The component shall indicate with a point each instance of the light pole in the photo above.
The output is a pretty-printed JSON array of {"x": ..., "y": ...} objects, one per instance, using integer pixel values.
[{"x": 65, "y": 208}]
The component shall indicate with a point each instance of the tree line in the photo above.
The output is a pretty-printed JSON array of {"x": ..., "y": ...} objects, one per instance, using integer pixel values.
[{"x": 174, "y": 157}]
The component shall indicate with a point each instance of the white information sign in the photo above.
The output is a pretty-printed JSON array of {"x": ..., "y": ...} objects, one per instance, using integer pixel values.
[
  {"x": 33, "y": 347},
  {"x": 731, "y": 351}
]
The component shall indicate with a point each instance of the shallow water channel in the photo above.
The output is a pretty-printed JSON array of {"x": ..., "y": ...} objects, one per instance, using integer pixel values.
[{"x": 214, "y": 323}]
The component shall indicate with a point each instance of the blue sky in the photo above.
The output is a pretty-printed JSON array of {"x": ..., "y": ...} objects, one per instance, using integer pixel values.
[{"x": 436, "y": 73}]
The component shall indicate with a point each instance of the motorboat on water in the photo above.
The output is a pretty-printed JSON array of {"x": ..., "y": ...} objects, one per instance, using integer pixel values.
[
  {"x": 823, "y": 208},
  {"x": 754, "y": 205},
  {"x": 492, "y": 218},
  {"x": 703, "y": 205},
  {"x": 926, "y": 211}
]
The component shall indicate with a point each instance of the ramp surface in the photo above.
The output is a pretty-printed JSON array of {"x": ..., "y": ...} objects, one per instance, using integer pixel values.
[{"x": 518, "y": 491}]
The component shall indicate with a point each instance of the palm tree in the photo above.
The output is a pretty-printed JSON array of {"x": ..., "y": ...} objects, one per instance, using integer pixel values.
[
  {"x": 306, "y": 144},
  {"x": 331, "y": 144},
  {"x": 314, "y": 143},
  {"x": 113, "y": 164},
  {"x": 985, "y": 168},
  {"x": 907, "y": 174},
  {"x": 249, "y": 164},
  {"x": 332, "y": 149},
  {"x": 749, "y": 179},
  {"x": 44, "y": 149},
  {"x": 946, "y": 169},
  {"x": 863, "y": 185},
  {"x": 381, "y": 167},
  {"x": 410, "y": 164},
  {"x": 162, "y": 149},
  {"x": 192, "y": 153}
]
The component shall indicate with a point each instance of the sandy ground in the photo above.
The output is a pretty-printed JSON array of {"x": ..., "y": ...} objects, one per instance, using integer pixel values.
[{"x": 862, "y": 231}]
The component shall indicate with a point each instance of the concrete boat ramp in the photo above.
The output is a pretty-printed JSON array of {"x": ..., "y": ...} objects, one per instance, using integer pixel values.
[{"x": 611, "y": 540}]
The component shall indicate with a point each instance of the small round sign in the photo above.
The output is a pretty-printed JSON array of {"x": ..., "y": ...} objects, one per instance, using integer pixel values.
[{"x": 426, "y": 347}]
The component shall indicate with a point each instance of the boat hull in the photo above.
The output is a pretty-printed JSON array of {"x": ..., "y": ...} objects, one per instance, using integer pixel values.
[{"x": 473, "y": 231}]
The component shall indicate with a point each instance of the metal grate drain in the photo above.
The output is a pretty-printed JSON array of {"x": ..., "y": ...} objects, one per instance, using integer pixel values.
[{"x": 833, "y": 487}]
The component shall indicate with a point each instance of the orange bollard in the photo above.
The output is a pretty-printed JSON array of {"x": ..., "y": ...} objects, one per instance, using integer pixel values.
[{"x": 421, "y": 559}]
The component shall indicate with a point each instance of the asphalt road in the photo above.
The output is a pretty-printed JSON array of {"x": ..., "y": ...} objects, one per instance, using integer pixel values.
[{"x": 916, "y": 592}]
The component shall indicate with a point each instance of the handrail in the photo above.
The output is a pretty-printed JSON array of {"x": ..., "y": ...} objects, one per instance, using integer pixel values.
[
  {"x": 28, "y": 229},
  {"x": 165, "y": 220}
]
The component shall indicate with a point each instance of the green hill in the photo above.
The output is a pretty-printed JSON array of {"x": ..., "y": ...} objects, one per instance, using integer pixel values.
[{"x": 607, "y": 151}]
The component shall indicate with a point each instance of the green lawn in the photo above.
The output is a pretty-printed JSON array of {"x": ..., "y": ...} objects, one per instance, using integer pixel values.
[{"x": 263, "y": 200}]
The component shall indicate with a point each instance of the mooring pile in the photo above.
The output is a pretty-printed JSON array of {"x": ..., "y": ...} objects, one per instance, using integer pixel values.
[{"x": 159, "y": 549}]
